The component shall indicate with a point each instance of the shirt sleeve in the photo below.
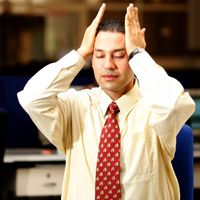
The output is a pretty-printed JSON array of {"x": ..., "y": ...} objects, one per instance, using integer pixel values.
[
  {"x": 40, "y": 96},
  {"x": 170, "y": 105}
]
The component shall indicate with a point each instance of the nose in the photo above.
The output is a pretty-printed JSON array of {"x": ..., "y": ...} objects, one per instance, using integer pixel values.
[{"x": 109, "y": 63}]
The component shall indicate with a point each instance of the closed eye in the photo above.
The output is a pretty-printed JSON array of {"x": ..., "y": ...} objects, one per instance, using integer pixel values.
[
  {"x": 99, "y": 56},
  {"x": 120, "y": 56}
]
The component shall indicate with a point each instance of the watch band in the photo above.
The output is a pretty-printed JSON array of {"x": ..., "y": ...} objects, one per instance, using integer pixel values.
[{"x": 134, "y": 52}]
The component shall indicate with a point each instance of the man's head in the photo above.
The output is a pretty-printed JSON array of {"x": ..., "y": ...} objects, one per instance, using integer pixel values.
[
  {"x": 112, "y": 26},
  {"x": 110, "y": 60}
]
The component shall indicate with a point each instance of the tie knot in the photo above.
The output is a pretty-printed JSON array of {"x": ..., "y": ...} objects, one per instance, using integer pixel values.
[{"x": 113, "y": 108}]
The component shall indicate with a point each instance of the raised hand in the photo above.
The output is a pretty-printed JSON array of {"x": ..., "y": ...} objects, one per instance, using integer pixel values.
[
  {"x": 87, "y": 44},
  {"x": 134, "y": 35}
]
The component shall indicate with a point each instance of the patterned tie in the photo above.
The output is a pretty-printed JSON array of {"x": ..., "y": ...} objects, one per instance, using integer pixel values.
[{"x": 108, "y": 163}]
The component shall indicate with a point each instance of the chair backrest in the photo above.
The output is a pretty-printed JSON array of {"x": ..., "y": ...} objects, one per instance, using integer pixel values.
[
  {"x": 183, "y": 162},
  {"x": 21, "y": 132},
  {"x": 3, "y": 122}
]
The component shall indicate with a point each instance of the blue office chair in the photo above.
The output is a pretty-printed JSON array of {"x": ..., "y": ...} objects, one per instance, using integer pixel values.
[
  {"x": 3, "y": 121},
  {"x": 183, "y": 162}
]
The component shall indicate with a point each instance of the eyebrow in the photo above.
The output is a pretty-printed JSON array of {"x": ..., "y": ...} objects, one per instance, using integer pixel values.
[{"x": 115, "y": 50}]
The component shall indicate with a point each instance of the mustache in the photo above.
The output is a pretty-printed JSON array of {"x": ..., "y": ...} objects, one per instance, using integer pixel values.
[{"x": 110, "y": 73}]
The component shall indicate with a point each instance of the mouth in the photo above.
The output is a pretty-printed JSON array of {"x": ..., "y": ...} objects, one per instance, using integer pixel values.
[{"x": 110, "y": 77}]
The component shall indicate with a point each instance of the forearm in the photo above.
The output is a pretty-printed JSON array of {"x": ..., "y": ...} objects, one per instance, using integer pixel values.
[
  {"x": 52, "y": 79},
  {"x": 154, "y": 82},
  {"x": 170, "y": 107},
  {"x": 40, "y": 97},
  {"x": 165, "y": 95}
]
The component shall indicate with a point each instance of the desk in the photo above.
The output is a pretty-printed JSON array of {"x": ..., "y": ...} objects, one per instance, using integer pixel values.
[
  {"x": 34, "y": 172},
  {"x": 32, "y": 155}
]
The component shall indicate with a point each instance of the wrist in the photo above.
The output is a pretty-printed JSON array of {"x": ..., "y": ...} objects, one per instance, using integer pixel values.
[
  {"x": 135, "y": 51},
  {"x": 82, "y": 53}
]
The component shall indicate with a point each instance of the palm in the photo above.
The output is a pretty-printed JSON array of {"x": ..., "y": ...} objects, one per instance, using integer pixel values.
[{"x": 134, "y": 35}]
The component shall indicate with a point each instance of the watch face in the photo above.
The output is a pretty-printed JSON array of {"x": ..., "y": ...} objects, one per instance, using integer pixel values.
[
  {"x": 137, "y": 50},
  {"x": 134, "y": 52}
]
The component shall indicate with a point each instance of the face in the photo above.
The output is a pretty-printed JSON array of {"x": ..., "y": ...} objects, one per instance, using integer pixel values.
[{"x": 110, "y": 64}]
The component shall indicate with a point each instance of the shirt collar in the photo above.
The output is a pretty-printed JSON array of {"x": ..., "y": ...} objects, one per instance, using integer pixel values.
[
  {"x": 125, "y": 102},
  {"x": 104, "y": 101}
]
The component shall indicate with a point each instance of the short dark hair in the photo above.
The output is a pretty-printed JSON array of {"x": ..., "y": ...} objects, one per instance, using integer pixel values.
[{"x": 112, "y": 25}]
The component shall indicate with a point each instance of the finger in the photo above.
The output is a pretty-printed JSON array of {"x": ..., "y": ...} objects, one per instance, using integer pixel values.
[
  {"x": 133, "y": 16},
  {"x": 136, "y": 17},
  {"x": 128, "y": 16},
  {"x": 132, "y": 12},
  {"x": 99, "y": 15},
  {"x": 143, "y": 30}
]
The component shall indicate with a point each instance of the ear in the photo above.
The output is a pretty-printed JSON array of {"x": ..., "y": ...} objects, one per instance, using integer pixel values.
[{"x": 89, "y": 62}]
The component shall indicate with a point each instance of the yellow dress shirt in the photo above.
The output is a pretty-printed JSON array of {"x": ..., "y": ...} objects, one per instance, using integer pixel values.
[{"x": 151, "y": 114}]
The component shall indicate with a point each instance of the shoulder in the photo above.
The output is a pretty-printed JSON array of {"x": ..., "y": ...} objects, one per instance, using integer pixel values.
[{"x": 79, "y": 94}]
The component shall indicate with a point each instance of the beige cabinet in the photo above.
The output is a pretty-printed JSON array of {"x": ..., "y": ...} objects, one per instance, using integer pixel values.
[{"x": 41, "y": 180}]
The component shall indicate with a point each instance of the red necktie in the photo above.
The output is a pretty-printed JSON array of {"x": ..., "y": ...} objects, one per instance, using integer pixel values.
[{"x": 108, "y": 163}]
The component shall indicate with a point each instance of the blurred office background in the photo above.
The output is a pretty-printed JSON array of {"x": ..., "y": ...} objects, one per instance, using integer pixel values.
[{"x": 34, "y": 33}]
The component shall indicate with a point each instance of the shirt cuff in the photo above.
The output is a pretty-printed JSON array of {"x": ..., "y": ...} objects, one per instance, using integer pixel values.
[{"x": 71, "y": 59}]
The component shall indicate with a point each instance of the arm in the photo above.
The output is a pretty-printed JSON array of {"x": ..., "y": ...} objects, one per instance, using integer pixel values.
[
  {"x": 170, "y": 105},
  {"x": 41, "y": 97},
  {"x": 65, "y": 69},
  {"x": 87, "y": 45},
  {"x": 40, "y": 86}
]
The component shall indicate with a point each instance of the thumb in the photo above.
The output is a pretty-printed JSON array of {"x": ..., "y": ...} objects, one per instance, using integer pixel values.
[{"x": 143, "y": 31}]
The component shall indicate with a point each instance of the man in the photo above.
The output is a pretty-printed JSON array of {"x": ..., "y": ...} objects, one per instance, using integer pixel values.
[{"x": 152, "y": 109}]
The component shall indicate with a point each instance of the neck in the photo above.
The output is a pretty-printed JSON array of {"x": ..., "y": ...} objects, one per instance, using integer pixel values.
[{"x": 114, "y": 95}]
